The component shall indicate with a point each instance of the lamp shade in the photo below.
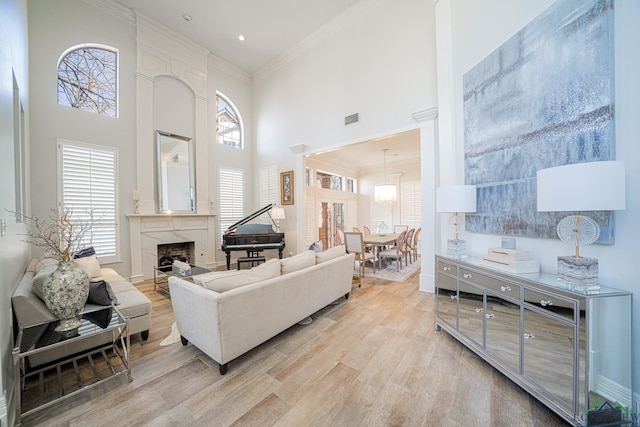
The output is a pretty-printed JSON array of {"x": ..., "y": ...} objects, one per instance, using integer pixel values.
[
  {"x": 590, "y": 186},
  {"x": 385, "y": 193},
  {"x": 277, "y": 213},
  {"x": 456, "y": 198}
]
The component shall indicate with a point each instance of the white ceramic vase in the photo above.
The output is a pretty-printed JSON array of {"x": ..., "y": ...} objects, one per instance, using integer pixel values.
[{"x": 65, "y": 293}]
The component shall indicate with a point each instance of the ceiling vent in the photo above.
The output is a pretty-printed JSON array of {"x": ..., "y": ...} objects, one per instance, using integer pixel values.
[{"x": 349, "y": 120}]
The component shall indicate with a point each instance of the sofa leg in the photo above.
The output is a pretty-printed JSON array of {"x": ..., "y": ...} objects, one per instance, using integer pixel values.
[
  {"x": 183, "y": 340},
  {"x": 223, "y": 368},
  {"x": 144, "y": 335},
  {"x": 346, "y": 296}
]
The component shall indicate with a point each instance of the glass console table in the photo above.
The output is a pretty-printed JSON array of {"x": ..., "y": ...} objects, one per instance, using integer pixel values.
[{"x": 41, "y": 387}]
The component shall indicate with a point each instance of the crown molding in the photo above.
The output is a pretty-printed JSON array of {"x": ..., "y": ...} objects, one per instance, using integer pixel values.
[
  {"x": 306, "y": 44},
  {"x": 216, "y": 62},
  {"x": 115, "y": 9}
]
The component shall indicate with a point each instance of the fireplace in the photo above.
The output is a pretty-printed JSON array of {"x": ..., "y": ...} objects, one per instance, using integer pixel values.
[{"x": 169, "y": 252}]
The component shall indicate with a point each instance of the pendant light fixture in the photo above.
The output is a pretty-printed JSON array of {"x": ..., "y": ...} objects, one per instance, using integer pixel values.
[{"x": 386, "y": 192}]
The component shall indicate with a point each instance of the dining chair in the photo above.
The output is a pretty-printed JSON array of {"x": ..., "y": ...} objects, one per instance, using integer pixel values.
[
  {"x": 395, "y": 252},
  {"x": 416, "y": 242},
  {"x": 366, "y": 230},
  {"x": 397, "y": 229},
  {"x": 355, "y": 245},
  {"x": 356, "y": 230},
  {"x": 407, "y": 249}
]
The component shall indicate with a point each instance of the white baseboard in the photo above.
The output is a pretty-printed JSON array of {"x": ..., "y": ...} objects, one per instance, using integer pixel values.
[{"x": 614, "y": 392}]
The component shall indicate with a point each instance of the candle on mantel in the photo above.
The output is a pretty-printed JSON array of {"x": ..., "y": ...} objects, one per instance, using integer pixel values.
[{"x": 136, "y": 195}]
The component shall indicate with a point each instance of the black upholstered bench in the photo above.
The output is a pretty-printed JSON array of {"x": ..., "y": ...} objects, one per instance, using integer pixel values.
[{"x": 254, "y": 260}]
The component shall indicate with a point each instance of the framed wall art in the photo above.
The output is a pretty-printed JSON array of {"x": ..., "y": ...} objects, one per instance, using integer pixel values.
[{"x": 286, "y": 188}]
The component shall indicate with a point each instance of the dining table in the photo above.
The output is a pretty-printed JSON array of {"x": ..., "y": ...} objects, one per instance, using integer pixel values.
[{"x": 379, "y": 241}]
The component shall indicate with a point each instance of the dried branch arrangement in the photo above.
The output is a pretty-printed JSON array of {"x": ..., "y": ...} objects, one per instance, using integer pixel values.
[{"x": 60, "y": 237}]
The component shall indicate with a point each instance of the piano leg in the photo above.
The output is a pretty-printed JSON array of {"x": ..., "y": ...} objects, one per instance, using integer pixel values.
[
  {"x": 228, "y": 260},
  {"x": 280, "y": 252}
]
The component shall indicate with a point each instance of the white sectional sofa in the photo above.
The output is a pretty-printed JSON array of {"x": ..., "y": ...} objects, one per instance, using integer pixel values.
[{"x": 225, "y": 314}]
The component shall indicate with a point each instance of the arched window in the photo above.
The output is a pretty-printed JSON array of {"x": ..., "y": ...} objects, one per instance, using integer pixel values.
[
  {"x": 228, "y": 123},
  {"x": 87, "y": 79}
]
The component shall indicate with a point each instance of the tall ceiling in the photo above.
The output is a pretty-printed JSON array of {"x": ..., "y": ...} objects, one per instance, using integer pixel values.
[{"x": 271, "y": 28}]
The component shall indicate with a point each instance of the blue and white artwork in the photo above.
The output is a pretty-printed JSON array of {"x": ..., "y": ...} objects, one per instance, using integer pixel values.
[{"x": 543, "y": 99}]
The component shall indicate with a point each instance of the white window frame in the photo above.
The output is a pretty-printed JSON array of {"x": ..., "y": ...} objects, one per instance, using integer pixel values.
[
  {"x": 100, "y": 196},
  {"x": 239, "y": 117},
  {"x": 233, "y": 202},
  {"x": 117, "y": 72}
]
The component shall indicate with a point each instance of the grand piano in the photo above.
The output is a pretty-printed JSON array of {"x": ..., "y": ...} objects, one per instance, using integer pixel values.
[{"x": 252, "y": 238}]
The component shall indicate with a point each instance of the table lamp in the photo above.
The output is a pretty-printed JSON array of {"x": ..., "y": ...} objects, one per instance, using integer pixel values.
[
  {"x": 589, "y": 186},
  {"x": 277, "y": 214},
  {"x": 456, "y": 199}
]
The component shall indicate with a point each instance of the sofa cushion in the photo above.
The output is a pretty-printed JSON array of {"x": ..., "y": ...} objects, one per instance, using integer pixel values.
[
  {"x": 201, "y": 279},
  {"x": 226, "y": 280},
  {"x": 298, "y": 262},
  {"x": 329, "y": 254},
  {"x": 134, "y": 303}
]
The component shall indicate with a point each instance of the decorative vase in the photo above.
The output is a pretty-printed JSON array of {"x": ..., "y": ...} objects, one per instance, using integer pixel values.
[
  {"x": 382, "y": 228},
  {"x": 65, "y": 293}
]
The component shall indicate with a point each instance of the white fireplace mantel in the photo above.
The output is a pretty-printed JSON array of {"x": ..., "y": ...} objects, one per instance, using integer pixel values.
[{"x": 147, "y": 231}]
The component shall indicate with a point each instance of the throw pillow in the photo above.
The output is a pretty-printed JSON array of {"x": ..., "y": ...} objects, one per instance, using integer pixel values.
[
  {"x": 98, "y": 293},
  {"x": 329, "y": 254},
  {"x": 112, "y": 294},
  {"x": 89, "y": 264},
  {"x": 298, "y": 262},
  {"x": 85, "y": 252},
  {"x": 41, "y": 276},
  {"x": 238, "y": 278},
  {"x": 316, "y": 246}
]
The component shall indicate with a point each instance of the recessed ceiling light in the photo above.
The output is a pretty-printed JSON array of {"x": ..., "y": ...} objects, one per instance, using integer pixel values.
[
  {"x": 187, "y": 17},
  {"x": 241, "y": 37}
]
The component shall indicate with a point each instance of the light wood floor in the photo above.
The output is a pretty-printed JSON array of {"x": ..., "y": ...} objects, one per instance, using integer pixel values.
[{"x": 372, "y": 360}]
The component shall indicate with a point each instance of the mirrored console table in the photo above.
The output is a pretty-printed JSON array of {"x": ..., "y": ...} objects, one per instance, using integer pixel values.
[{"x": 570, "y": 350}]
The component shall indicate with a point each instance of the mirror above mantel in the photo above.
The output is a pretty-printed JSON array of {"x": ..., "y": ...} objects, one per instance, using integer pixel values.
[{"x": 175, "y": 173}]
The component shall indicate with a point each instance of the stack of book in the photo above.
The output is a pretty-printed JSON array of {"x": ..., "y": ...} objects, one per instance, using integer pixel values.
[{"x": 511, "y": 260}]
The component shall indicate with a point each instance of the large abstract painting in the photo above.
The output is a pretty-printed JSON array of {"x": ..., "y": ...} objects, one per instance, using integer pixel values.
[{"x": 544, "y": 98}]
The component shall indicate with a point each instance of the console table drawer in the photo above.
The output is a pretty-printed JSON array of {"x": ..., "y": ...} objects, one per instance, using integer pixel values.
[
  {"x": 552, "y": 303},
  {"x": 446, "y": 268},
  {"x": 500, "y": 287}
]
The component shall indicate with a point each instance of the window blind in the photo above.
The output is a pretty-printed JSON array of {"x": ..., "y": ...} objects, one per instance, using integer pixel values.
[
  {"x": 88, "y": 188},
  {"x": 231, "y": 188},
  {"x": 269, "y": 192}
]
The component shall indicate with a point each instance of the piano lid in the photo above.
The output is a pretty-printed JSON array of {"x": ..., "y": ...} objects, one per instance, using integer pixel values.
[{"x": 250, "y": 217}]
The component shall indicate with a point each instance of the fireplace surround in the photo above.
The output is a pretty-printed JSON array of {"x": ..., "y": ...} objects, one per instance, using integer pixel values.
[{"x": 149, "y": 231}]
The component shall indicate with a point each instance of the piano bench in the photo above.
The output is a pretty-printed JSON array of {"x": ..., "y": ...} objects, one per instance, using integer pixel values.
[{"x": 251, "y": 259}]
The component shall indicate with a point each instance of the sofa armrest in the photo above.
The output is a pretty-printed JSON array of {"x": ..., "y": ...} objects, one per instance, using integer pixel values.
[{"x": 196, "y": 311}]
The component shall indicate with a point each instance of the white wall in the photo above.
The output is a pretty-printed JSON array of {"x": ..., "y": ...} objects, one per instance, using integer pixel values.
[
  {"x": 14, "y": 254},
  {"x": 476, "y": 29},
  {"x": 54, "y": 27},
  {"x": 382, "y": 66}
]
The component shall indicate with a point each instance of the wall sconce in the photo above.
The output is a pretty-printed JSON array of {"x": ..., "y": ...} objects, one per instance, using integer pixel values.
[
  {"x": 136, "y": 199},
  {"x": 211, "y": 202},
  {"x": 277, "y": 214},
  {"x": 589, "y": 186},
  {"x": 456, "y": 199}
]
